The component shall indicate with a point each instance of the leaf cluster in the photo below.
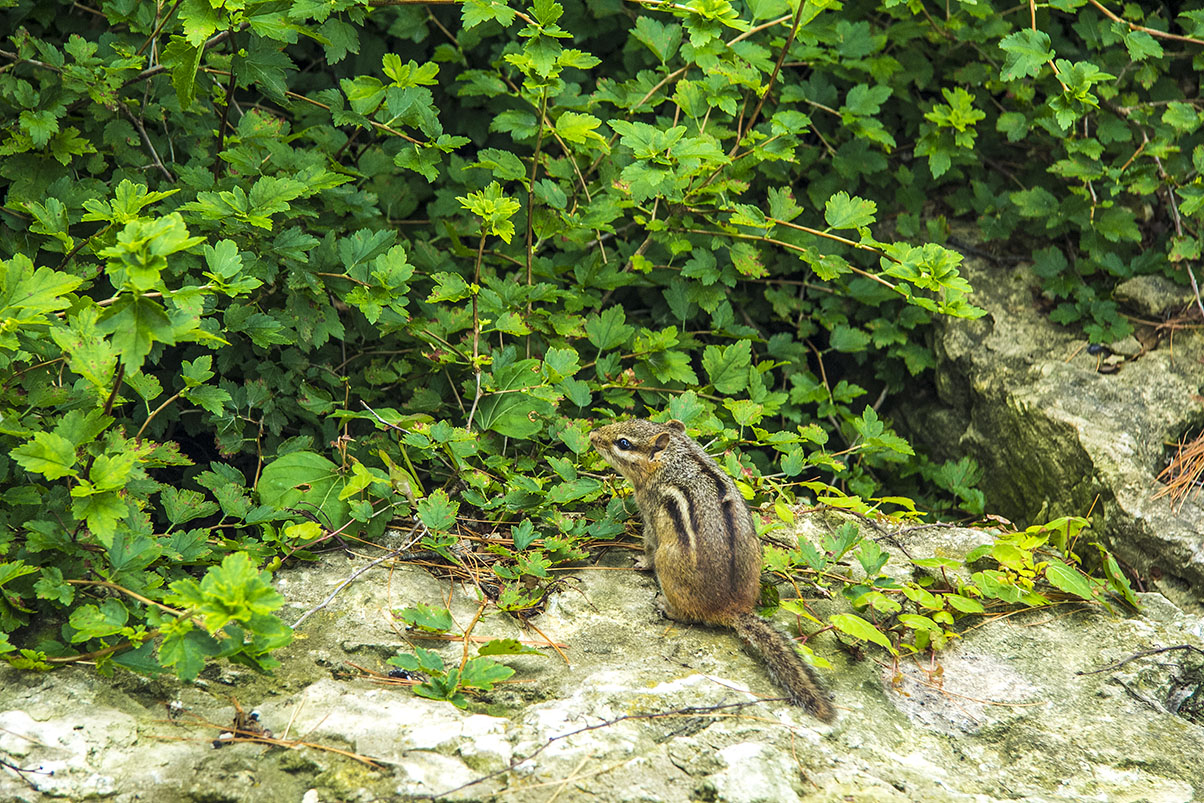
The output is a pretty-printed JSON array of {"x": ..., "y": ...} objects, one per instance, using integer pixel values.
[
  {"x": 1031, "y": 568},
  {"x": 271, "y": 271}
]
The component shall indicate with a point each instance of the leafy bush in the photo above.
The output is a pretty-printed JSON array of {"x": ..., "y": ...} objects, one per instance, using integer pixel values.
[{"x": 265, "y": 279}]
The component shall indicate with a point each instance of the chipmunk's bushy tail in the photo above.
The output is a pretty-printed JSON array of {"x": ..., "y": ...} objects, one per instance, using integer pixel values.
[{"x": 785, "y": 666}]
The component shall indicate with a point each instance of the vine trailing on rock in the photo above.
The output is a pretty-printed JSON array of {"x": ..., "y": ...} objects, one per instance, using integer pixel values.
[
  {"x": 1031, "y": 568},
  {"x": 262, "y": 279}
]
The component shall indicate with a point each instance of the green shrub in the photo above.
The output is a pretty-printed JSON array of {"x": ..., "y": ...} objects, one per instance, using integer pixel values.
[{"x": 264, "y": 278}]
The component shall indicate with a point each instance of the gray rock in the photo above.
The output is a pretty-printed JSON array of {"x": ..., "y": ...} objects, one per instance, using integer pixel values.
[
  {"x": 649, "y": 710},
  {"x": 1055, "y": 436},
  {"x": 1155, "y": 297}
]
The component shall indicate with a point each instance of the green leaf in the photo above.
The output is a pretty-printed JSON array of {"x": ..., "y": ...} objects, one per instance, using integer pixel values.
[
  {"x": 182, "y": 505},
  {"x": 90, "y": 621},
  {"x": 201, "y": 20},
  {"x": 48, "y": 454},
  {"x": 1142, "y": 46},
  {"x": 1037, "y": 202},
  {"x": 849, "y": 340},
  {"x": 509, "y": 409},
  {"x": 581, "y": 129},
  {"x": 52, "y": 586},
  {"x": 996, "y": 585},
  {"x": 141, "y": 660},
  {"x": 843, "y": 212},
  {"x": 40, "y": 126},
  {"x": 728, "y": 366},
  {"x": 661, "y": 38},
  {"x": 609, "y": 330},
  {"x": 427, "y": 619},
  {"x": 304, "y": 481},
  {"x": 483, "y": 673},
  {"x": 1118, "y": 224},
  {"x": 262, "y": 64},
  {"x": 1027, "y": 52},
  {"x": 14, "y": 569},
  {"x": 506, "y": 646},
  {"x": 235, "y": 591},
  {"x": 493, "y": 208},
  {"x": 448, "y": 287},
  {"x": 186, "y": 651},
  {"x": 102, "y": 512},
  {"x": 438, "y": 511},
  {"x": 964, "y": 604},
  {"x": 864, "y": 100},
  {"x": 504, "y": 164},
  {"x": 422, "y": 660},
  {"x": 1182, "y": 116},
  {"x": 474, "y": 12},
  {"x": 183, "y": 59},
  {"x": 1069, "y": 579},
  {"x": 565, "y": 492},
  {"x": 917, "y": 622},
  {"x": 853, "y": 625}
]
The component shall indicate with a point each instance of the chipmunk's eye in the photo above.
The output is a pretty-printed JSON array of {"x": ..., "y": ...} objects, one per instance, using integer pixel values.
[{"x": 623, "y": 444}]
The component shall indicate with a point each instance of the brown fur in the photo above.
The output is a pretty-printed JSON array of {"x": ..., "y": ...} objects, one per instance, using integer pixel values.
[{"x": 700, "y": 540}]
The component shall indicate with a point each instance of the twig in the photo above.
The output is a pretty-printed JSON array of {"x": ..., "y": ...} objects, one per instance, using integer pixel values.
[
  {"x": 476, "y": 329},
  {"x": 151, "y": 417},
  {"x": 468, "y": 632},
  {"x": 20, "y": 771},
  {"x": 127, "y": 592},
  {"x": 356, "y": 574},
  {"x": 756, "y": 112},
  {"x": 1133, "y": 26},
  {"x": 800, "y": 249},
  {"x": 1170, "y": 193},
  {"x": 117, "y": 380},
  {"x": 159, "y": 28},
  {"x": 221, "y": 127},
  {"x": 1142, "y": 654},
  {"x": 210, "y": 43},
  {"x": 244, "y": 735},
  {"x": 543, "y": 107},
  {"x": 689, "y": 711},
  {"x": 149, "y": 145},
  {"x": 550, "y": 643}
]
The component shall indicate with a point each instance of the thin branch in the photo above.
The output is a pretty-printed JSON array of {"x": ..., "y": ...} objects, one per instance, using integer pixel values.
[
  {"x": 802, "y": 250},
  {"x": 689, "y": 711},
  {"x": 128, "y": 593},
  {"x": 151, "y": 417},
  {"x": 476, "y": 330},
  {"x": 543, "y": 108},
  {"x": 756, "y": 112},
  {"x": 1178, "y": 221},
  {"x": 412, "y": 538},
  {"x": 1133, "y": 26},
  {"x": 146, "y": 139},
  {"x": 221, "y": 128},
  {"x": 117, "y": 380},
  {"x": 1142, "y": 654},
  {"x": 159, "y": 28}
]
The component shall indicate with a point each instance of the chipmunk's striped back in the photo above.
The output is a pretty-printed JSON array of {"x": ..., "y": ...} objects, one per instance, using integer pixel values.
[{"x": 700, "y": 540}]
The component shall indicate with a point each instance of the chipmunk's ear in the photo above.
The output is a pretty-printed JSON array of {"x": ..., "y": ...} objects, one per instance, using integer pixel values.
[
  {"x": 659, "y": 445},
  {"x": 673, "y": 423}
]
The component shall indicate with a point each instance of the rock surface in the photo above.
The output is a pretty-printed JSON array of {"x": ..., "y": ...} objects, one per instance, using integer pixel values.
[
  {"x": 1002, "y": 714},
  {"x": 1060, "y": 431}
]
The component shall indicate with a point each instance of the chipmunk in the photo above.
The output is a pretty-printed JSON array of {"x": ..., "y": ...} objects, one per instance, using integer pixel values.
[{"x": 700, "y": 541}]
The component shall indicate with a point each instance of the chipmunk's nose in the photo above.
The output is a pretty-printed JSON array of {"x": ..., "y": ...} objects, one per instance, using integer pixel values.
[{"x": 594, "y": 436}]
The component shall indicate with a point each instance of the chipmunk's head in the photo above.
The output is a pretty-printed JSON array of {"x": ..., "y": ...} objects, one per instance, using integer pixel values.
[{"x": 636, "y": 448}]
